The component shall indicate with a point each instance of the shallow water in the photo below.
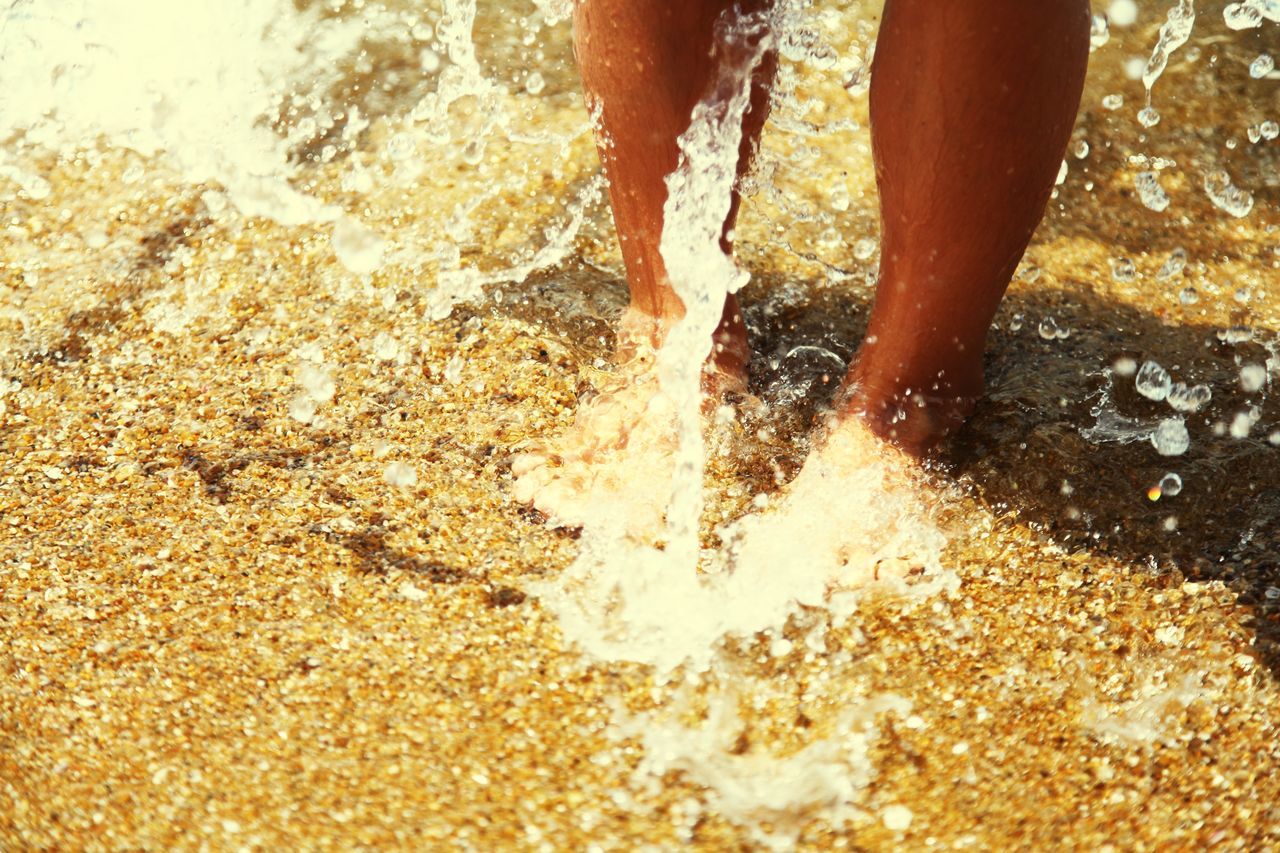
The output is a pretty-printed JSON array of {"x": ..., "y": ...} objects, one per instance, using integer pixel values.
[{"x": 260, "y": 550}]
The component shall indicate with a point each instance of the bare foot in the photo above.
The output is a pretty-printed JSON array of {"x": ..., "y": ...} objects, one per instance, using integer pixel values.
[
  {"x": 614, "y": 465},
  {"x": 852, "y": 516}
]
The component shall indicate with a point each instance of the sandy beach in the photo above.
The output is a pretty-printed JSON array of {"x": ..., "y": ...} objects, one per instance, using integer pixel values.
[{"x": 263, "y": 584}]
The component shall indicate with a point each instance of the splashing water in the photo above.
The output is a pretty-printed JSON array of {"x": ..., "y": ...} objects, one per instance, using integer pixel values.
[{"x": 1173, "y": 35}]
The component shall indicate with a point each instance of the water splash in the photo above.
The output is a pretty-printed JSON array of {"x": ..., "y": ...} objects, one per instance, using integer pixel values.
[{"x": 1173, "y": 35}]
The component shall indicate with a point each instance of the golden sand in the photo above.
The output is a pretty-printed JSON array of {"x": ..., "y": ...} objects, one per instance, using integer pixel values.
[{"x": 222, "y": 626}]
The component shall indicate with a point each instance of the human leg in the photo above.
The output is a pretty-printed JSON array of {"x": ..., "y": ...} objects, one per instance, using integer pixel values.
[
  {"x": 972, "y": 105},
  {"x": 645, "y": 66}
]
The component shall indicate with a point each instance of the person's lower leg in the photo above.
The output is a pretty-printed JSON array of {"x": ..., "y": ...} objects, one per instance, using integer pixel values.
[
  {"x": 645, "y": 64},
  {"x": 972, "y": 105}
]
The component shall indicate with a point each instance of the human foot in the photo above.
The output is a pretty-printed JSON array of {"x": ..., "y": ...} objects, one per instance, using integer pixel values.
[
  {"x": 615, "y": 463},
  {"x": 852, "y": 516},
  {"x": 905, "y": 399}
]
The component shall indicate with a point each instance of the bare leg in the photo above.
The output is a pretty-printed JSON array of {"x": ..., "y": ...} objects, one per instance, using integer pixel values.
[
  {"x": 645, "y": 65},
  {"x": 972, "y": 104}
]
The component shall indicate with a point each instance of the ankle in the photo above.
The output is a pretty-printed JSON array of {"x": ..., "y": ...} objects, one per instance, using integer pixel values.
[{"x": 912, "y": 409}]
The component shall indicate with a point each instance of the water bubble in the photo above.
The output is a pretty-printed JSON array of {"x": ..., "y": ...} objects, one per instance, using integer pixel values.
[
  {"x": 1081, "y": 149},
  {"x": 1236, "y": 335},
  {"x": 1153, "y": 381},
  {"x": 1113, "y": 102},
  {"x": 1050, "y": 330},
  {"x": 385, "y": 347},
  {"x": 1015, "y": 323},
  {"x": 896, "y": 818},
  {"x": 1171, "y": 437},
  {"x": 1123, "y": 269},
  {"x": 1274, "y": 438},
  {"x": 1150, "y": 193},
  {"x": 1232, "y": 199},
  {"x": 1253, "y": 377},
  {"x": 358, "y": 248},
  {"x": 1099, "y": 32},
  {"x": 1171, "y": 523},
  {"x": 1262, "y": 66},
  {"x": 534, "y": 83},
  {"x": 1170, "y": 485},
  {"x": 473, "y": 152},
  {"x": 866, "y": 247},
  {"x": 1242, "y": 16},
  {"x": 317, "y": 383},
  {"x": 1269, "y": 130},
  {"x": 453, "y": 369},
  {"x": 1122, "y": 13},
  {"x": 840, "y": 198},
  {"x": 302, "y": 408},
  {"x": 1148, "y": 117},
  {"x": 1189, "y": 399},
  {"x": 1244, "y": 422},
  {"x": 1124, "y": 366},
  {"x": 1173, "y": 265},
  {"x": 400, "y": 474},
  {"x": 1242, "y": 295}
]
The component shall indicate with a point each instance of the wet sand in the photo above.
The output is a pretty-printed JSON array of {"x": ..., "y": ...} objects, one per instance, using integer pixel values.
[{"x": 224, "y": 626}]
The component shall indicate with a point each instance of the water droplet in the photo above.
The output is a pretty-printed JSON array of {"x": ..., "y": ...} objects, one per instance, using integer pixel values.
[
  {"x": 1188, "y": 296},
  {"x": 1153, "y": 381},
  {"x": 1081, "y": 149},
  {"x": 302, "y": 408},
  {"x": 400, "y": 474},
  {"x": 1170, "y": 485},
  {"x": 316, "y": 382},
  {"x": 1173, "y": 265},
  {"x": 358, "y": 248},
  {"x": 840, "y": 198},
  {"x": 534, "y": 83},
  {"x": 1050, "y": 330},
  {"x": 1122, "y": 13},
  {"x": 1123, "y": 270},
  {"x": 896, "y": 818},
  {"x": 1099, "y": 32},
  {"x": 1236, "y": 335},
  {"x": 453, "y": 369},
  {"x": 866, "y": 247},
  {"x": 1148, "y": 117},
  {"x": 1189, "y": 399},
  {"x": 1242, "y": 16},
  {"x": 1244, "y": 422},
  {"x": 1262, "y": 66},
  {"x": 1113, "y": 102},
  {"x": 1232, "y": 199},
  {"x": 385, "y": 347},
  {"x": 1150, "y": 193},
  {"x": 1124, "y": 366},
  {"x": 1171, "y": 437},
  {"x": 1253, "y": 377}
]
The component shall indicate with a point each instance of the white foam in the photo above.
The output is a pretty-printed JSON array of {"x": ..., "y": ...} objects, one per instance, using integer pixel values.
[{"x": 189, "y": 81}]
